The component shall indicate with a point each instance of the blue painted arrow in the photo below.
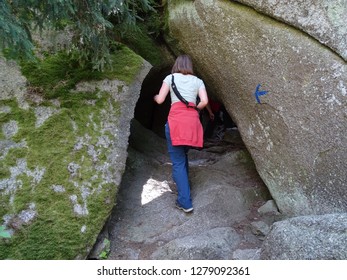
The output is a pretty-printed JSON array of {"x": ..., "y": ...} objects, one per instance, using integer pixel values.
[{"x": 259, "y": 93}]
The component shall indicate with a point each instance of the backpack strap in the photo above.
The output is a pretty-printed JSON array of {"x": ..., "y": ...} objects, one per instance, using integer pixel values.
[{"x": 179, "y": 96}]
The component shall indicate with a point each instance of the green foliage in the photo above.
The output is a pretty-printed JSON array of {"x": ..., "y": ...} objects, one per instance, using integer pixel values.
[
  {"x": 95, "y": 25},
  {"x": 147, "y": 39},
  {"x": 4, "y": 233},
  {"x": 105, "y": 252},
  {"x": 14, "y": 34}
]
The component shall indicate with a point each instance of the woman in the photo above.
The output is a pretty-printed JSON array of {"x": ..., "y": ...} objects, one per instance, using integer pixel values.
[{"x": 183, "y": 129}]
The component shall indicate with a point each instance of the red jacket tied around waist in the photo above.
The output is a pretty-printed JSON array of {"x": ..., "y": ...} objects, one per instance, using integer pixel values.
[{"x": 185, "y": 126}]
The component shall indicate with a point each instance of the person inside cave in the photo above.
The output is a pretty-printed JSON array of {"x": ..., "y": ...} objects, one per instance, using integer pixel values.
[
  {"x": 218, "y": 121},
  {"x": 183, "y": 129}
]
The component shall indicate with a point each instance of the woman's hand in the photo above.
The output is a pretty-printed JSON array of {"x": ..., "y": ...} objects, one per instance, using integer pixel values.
[
  {"x": 156, "y": 97},
  {"x": 164, "y": 90},
  {"x": 211, "y": 116}
]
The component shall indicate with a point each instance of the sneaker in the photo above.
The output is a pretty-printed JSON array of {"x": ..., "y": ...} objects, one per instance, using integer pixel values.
[{"x": 186, "y": 210}]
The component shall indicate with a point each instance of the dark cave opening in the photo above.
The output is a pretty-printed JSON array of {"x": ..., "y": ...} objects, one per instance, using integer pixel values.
[{"x": 153, "y": 116}]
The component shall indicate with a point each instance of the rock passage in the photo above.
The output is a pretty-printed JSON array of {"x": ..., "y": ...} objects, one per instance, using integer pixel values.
[{"x": 226, "y": 192}]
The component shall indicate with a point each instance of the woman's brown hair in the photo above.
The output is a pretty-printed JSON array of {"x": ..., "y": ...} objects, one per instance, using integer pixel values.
[{"x": 183, "y": 64}]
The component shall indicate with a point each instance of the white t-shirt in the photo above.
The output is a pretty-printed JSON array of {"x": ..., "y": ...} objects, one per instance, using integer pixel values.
[{"x": 187, "y": 85}]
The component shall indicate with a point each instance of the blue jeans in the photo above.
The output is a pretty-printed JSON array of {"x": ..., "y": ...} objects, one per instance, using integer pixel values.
[{"x": 180, "y": 172}]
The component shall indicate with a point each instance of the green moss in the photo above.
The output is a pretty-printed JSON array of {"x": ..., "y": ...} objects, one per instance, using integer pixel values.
[
  {"x": 176, "y": 3},
  {"x": 4, "y": 172},
  {"x": 142, "y": 43},
  {"x": 125, "y": 65},
  {"x": 55, "y": 233},
  {"x": 57, "y": 74}
]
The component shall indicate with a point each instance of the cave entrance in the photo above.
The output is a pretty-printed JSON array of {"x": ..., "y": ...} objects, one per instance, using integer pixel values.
[
  {"x": 226, "y": 189},
  {"x": 153, "y": 116}
]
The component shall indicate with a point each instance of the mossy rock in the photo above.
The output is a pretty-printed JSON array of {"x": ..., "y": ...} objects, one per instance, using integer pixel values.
[{"x": 61, "y": 160}]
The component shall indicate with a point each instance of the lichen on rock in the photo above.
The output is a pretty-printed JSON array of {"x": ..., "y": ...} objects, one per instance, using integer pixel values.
[
  {"x": 62, "y": 155},
  {"x": 294, "y": 132}
]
